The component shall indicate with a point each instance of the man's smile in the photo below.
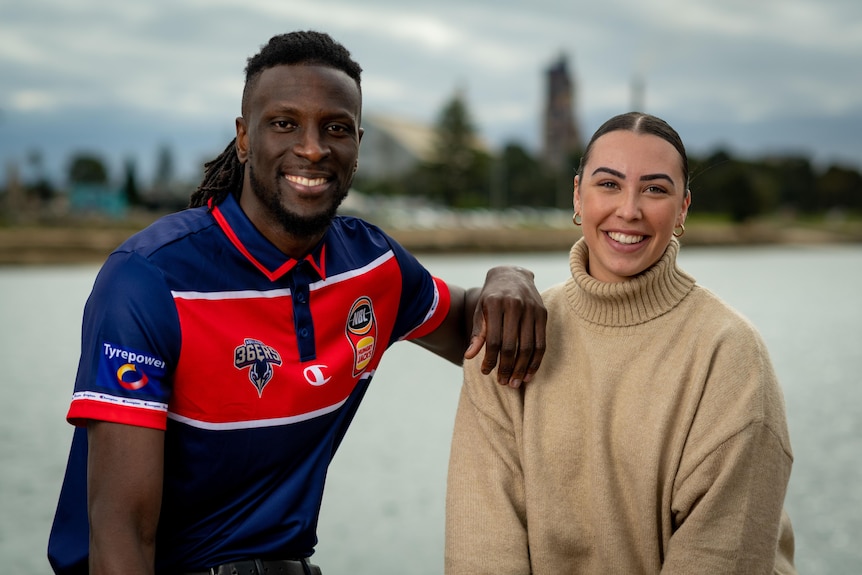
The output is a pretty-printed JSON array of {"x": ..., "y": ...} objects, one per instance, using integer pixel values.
[{"x": 305, "y": 182}]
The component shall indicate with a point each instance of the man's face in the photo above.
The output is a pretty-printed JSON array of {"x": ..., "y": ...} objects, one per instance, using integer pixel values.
[{"x": 299, "y": 139}]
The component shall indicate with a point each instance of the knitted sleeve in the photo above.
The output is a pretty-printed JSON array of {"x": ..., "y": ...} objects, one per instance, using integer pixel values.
[
  {"x": 486, "y": 531},
  {"x": 728, "y": 496}
]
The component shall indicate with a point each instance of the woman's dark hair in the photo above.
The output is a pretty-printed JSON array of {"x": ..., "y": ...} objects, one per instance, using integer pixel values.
[
  {"x": 223, "y": 175},
  {"x": 639, "y": 123}
]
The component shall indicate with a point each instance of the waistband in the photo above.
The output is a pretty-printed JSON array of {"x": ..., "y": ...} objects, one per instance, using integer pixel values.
[{"x": 261, "y": 567}]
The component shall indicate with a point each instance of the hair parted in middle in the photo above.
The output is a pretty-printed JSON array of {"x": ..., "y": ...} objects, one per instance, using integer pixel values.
[{"x": 639, "y": 123}]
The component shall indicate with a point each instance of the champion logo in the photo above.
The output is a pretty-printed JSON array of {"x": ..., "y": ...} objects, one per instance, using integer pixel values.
[
  {"x": 315, "y": 376},
  {"x": 259, "y": 358}
]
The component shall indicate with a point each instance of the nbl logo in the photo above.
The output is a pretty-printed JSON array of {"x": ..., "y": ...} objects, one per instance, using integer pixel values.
[
  {"x": 361, "y": 332},
  {"x": 259, "y": 358}
]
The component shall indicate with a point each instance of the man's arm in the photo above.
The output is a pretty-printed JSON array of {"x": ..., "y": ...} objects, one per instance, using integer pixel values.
[
  {"x": 506, "y": 315},
  {"x": 124, "y": 494}
]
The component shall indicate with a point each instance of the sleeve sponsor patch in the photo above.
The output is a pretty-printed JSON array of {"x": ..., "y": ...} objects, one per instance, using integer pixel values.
[{"x": 131, "y": 372}]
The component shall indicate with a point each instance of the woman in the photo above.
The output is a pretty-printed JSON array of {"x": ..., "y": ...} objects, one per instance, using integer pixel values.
[{"x": 654, "y": 438}]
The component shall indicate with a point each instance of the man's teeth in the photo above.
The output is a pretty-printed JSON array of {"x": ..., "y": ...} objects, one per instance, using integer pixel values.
[
  {"x": 624, "y": 238},
  {"x": 306, "y": 181}
]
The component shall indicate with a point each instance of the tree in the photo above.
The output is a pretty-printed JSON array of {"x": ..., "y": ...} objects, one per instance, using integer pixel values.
[
  {"x": 40, "y": 187},
  {"x": 459, "y": 173},
  {"x": 164, "y": 175},
  {"x": 840, "y": 188},
  {"x": 87, "y": 169},
  {"x": 525, "y": 180},
  {"x": 796, "y": 181},
  {"x": 130, "y": 183}
]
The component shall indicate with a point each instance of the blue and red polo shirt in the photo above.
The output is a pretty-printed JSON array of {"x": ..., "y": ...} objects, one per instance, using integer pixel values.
[{"x": 254, "y": 365}]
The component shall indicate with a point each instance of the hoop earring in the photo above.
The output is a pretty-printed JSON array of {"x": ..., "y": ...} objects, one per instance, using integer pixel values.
[
  {"x": 576, "y": 219},
  {"x": 681, "y": 232}
]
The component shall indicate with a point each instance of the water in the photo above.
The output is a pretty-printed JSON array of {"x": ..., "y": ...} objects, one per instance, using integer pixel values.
[{"x": 383, "y": 509}]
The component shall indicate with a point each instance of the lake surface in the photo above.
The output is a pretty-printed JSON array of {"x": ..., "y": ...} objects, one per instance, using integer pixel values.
[{"x": 384, "y": 505}]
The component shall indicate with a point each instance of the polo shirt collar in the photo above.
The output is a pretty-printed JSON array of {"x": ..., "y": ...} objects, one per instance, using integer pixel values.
[{"x": 258, "y": 250}]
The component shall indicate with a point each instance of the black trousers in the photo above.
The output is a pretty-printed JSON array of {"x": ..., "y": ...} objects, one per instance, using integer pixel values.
[{"x": 261, "y": 567}]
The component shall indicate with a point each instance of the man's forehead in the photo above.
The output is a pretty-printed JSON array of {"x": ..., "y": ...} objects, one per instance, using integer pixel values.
[{"x": 287, "y": 79}]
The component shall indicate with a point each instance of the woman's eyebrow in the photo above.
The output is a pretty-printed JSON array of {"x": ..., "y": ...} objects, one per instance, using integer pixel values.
[
  {"x": 609, "y": 171},
  {"x": 650, "y": 177},
  {"x": 622, "y": 176}
]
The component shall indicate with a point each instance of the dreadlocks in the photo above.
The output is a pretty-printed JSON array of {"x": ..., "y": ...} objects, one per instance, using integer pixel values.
[{"x": 224, "y": 174}]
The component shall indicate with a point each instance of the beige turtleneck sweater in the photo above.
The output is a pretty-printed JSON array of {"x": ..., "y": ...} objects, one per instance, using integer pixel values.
[{"x": 652, "y": 440}]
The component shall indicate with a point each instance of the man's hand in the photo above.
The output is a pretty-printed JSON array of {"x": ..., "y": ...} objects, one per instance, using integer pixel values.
[{"x": 509, "y": 320}]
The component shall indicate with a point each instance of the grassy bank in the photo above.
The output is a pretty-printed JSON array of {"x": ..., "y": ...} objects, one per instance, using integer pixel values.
[{"x": 91, "y": 242}]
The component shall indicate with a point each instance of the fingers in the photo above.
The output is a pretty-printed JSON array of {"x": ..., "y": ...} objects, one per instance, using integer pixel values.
[
  {"x": 477, "y": 338},
  {"x": 514, "y": 341},
  {"x": 490, "y": 315}
]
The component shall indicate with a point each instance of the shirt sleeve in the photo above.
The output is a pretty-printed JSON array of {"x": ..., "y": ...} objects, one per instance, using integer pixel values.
[
  {"x": 129, "y": 346},
  {"x": 425, "y": 300}
]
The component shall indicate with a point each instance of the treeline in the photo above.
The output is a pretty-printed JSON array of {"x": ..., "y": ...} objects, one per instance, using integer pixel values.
[
  {"x": 461, "y": 173},
  {"x": 36, "y": 194}
]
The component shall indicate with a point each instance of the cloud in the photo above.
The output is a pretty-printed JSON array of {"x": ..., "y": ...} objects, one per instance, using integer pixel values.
[{"x": 175, "y": 67}]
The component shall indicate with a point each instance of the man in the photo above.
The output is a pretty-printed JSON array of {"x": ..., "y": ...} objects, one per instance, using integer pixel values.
[{"x": 226, "y": 348}]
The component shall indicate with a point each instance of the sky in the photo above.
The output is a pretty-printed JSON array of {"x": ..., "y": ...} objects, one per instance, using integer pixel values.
[{"x": 125, "y": 79}]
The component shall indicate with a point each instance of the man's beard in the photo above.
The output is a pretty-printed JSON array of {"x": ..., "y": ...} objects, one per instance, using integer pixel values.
[{"x": 294, "y": 224}]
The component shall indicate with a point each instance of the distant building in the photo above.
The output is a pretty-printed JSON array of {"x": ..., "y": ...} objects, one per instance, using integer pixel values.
[
  {"x": 561, "y": 135},
  {"x": 391, "y": 147},
  {"x": 97, "y": 200}
]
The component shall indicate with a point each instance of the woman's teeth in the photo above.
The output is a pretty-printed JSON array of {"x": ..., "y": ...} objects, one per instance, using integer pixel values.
[{"x": 625, "y": 238}]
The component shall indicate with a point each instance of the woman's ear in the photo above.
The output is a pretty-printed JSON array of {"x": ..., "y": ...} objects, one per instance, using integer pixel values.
[
  {"x": 686, "y": 202},
  {"x": 576, "y": 194}
]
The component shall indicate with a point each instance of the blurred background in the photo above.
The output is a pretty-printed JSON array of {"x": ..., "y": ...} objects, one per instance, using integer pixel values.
[
  {"x": 475, "y": 114},
  {"x": 108, "y": 110}
]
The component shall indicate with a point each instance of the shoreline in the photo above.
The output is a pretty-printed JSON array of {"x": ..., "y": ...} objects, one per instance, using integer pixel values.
[{"x": 50, "y": 245}]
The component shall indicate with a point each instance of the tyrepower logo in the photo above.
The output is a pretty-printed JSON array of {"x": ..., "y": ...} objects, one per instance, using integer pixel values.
[
  {"x": 129, "y": 367},
  {"x": 361, "y": 332}
]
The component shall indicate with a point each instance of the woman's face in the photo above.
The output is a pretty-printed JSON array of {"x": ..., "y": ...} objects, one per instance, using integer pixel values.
[{"x": 631, "y": 196}]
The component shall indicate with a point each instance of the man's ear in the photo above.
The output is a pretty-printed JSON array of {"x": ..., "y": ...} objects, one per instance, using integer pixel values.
[{"x": 241, "y": 140}]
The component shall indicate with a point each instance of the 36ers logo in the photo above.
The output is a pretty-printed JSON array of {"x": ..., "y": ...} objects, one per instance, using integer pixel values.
[
  {"x": 259, "y": 358},
  {"x": 361, "y": 331}
]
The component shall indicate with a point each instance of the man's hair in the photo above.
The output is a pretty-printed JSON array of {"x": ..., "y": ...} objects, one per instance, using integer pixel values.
[
  {"x": 639, "y": 123},
  {"x": 224, "y": 174}
]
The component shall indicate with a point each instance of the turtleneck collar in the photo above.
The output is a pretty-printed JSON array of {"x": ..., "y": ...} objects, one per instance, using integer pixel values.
[{"x": 640, "y": 299}]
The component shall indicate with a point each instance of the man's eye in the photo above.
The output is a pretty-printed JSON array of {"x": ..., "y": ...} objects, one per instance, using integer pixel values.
[{"x": 338, "y": 129}]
